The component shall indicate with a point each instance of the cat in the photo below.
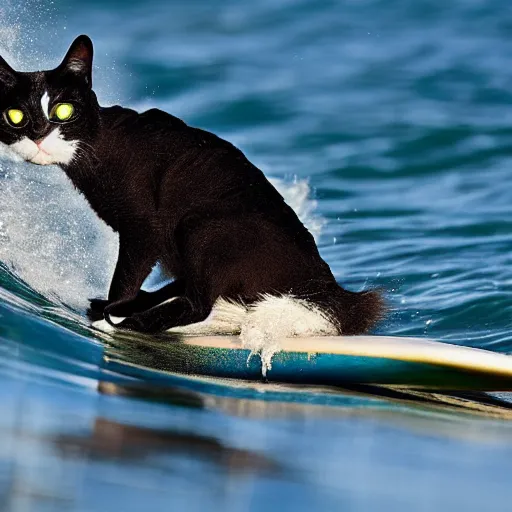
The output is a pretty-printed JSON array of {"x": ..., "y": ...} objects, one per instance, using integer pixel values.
[{"x": 177, "y": 195}]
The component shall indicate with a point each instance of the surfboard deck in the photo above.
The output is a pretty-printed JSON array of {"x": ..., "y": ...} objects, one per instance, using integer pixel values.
[{"x": 337, "y": 361}]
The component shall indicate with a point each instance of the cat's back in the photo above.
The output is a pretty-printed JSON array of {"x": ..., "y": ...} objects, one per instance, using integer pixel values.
[
  {"x": 127, "y": 121},
  {"x": 160, "y": 130},
  {"x": 177, "y": 155},
  {"x": 186, "y": 168},
  {"x": 165, "y": 141}
]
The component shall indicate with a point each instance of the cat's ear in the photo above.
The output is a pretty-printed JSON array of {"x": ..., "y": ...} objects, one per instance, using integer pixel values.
[
  {"x": 7, "y": 74},
  {"x": 78, "y": 60}
]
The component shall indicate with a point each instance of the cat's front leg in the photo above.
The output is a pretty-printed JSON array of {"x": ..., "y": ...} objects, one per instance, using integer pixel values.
[{"x": 137, "y": 255}]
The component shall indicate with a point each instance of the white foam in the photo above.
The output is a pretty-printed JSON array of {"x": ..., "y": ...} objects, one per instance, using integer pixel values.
[
  {"x": 298, "y": 195},
  {"x": 29, "y": 31},
  {"x": 50, "y": 237}
]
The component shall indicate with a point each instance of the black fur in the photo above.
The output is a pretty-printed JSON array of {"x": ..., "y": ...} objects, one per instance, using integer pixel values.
[{"x": 184, "y": 197}]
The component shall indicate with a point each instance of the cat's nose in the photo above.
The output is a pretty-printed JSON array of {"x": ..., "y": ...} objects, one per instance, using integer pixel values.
[{"x": 38, "y": 142}]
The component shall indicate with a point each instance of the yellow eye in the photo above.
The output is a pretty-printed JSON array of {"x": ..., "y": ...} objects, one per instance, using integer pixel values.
[
  {"x": 63, "y": 111},
  {"x": 15, "y": 116}
]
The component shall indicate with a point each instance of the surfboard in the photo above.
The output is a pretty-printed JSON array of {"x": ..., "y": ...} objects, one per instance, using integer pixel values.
[{"x": 402, "y": 362}]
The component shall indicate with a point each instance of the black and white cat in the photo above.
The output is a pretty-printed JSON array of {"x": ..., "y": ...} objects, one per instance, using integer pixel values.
[{"x": 178, "y": 195}]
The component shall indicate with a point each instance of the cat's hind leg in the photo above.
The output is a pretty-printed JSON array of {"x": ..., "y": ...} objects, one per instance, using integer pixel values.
[
  {"x": 221, "y": 255},
  {"x": 145, "y": 300},
  {"x": 173, "y": 313},
  {"x": 142, "y": 301}
]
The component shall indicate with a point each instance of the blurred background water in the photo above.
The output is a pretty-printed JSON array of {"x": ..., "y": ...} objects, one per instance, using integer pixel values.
[{"x": 387, "y": 125}]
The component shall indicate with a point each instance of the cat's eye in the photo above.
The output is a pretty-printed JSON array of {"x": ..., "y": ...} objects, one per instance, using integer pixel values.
[
  {"x": 15, "y": 117},
  {"x": 62, "y": 112}
]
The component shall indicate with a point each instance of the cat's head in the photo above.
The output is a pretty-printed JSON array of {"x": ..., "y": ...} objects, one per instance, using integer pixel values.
[{"x": 46, "y": 116}]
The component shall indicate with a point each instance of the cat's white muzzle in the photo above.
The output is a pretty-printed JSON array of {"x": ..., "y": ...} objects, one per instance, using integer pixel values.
[{"x": 53, "y": 149}]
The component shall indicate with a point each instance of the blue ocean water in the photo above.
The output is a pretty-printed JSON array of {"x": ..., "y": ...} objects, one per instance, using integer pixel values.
[{"x": 387, "y": 124}]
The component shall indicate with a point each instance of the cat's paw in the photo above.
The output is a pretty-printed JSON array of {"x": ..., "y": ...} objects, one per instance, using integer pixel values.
[
  {"x": 127, "y": 307},
  {"x": 96, "y": 309},
  {"x": 133, "y": 323},
  {"x": 148, "y": 322}
]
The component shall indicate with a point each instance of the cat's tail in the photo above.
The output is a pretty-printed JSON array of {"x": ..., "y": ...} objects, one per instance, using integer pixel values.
[
  {"x": 315, "y": 310},
  {"x": 351, "y": 313}
]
